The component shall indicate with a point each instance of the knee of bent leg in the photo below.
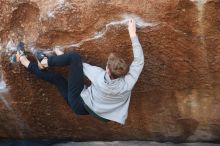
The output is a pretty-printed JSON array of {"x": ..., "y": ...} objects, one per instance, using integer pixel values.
[
  {"x": 76, "y": 110},
  {"x": 75, "y": 56},
  {"x": 73, "y": 105}
]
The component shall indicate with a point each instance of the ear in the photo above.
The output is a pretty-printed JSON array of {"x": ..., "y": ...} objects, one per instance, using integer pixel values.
[{"x": 107, "y": 70}]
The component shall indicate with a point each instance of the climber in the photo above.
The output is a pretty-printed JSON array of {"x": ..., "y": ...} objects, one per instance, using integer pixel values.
[{"x": 108, "y": 96}]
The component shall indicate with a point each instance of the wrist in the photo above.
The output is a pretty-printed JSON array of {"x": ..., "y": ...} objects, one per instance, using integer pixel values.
[
  {"x": 133, "y": 35},
  {"x": 22, "y": 57}
]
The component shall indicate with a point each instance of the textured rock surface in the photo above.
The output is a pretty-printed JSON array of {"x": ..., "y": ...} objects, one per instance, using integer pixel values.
[
  {"x": 176, "y": 98},
  {"x": 132, "y": 143}
]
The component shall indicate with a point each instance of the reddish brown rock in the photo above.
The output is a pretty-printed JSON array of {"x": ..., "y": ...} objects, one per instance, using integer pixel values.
[{"x": 176, "y": 97}]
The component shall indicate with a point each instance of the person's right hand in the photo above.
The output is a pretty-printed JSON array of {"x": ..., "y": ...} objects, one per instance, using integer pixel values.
[{"x": 132, "y": 28}]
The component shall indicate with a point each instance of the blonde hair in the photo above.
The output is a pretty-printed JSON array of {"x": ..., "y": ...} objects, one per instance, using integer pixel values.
[{"x": 117, "y": 66}]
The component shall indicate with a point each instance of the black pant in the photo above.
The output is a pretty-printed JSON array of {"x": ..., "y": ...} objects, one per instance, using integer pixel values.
[{"x": 70, "y": 89}]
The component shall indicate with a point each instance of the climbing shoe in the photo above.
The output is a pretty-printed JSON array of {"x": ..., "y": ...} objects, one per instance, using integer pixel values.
[
  {"x": 40, "y": 55},
  {"x": 20, "y": 50}
]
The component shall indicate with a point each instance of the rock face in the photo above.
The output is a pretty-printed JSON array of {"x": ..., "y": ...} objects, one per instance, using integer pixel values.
[{"x": 177, "y": 97}]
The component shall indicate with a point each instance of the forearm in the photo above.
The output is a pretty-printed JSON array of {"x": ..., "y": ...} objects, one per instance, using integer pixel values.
[
  {"x": 136, "y": 65},
  {"x": 132, "y": 34},
  {"x": 137, "y": 50}
]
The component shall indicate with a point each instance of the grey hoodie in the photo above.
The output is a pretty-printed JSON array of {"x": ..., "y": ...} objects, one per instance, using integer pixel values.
[{"x": 110, "y": 98}]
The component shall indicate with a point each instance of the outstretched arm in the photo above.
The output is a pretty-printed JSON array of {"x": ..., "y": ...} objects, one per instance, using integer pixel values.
[{"x": 138, "y": 62}]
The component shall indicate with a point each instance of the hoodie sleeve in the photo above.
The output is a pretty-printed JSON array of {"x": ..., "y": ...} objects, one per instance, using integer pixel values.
[
  {"x": 91, "y": 72},
  {"x": 137, "y": 64}
]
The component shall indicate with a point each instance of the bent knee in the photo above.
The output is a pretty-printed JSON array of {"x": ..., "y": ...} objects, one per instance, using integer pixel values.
[
  {"x": 75, "y": 56},
  {"x": 77, "y": 111}
]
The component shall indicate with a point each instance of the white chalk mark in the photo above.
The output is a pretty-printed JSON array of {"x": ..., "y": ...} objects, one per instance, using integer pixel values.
[
  {"x": 200, "y": 6},
  {"x": 6, "y": 103},
  {"x": 140, "y": 23},
  {"x": 50, "y": 14},
  {"x": 17, "y": 118},
  {"x": 11, "y": 46},
  {"x": 1, "y": 48},
  {"x": 124, "y": 22},
  {"x": 60, "y": 5},
  {"x": 3, "y": 87},
  {"x": 173, "y": 28}
]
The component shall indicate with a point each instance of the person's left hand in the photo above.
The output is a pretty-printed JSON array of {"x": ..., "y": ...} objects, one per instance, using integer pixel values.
[{"x": 18, "y": 55}]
